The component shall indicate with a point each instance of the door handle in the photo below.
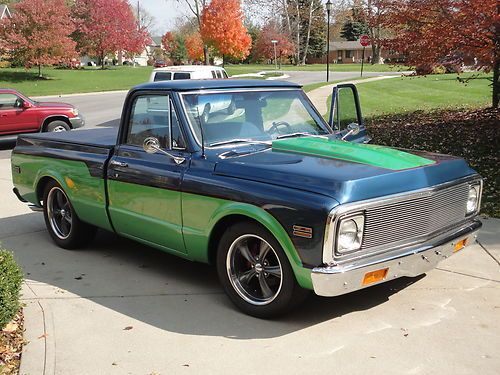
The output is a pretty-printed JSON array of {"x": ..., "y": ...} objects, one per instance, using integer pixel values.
[{"x": 118, "y": 164}]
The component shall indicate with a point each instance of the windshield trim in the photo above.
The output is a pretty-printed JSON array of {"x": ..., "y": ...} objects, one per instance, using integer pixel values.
[{"x": 235, "y": 90}]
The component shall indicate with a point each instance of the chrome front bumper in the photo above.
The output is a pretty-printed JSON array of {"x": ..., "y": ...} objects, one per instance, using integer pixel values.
[
  {"x": 410, "y": 261},
  {"x": 77, "y": 122}
]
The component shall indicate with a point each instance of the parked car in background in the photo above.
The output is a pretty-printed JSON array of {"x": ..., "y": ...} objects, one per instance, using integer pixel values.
[
  {"x": 20, "y": 114},
  {"x": 160, "y": 64},
  {"x": 188, "y": 72}
]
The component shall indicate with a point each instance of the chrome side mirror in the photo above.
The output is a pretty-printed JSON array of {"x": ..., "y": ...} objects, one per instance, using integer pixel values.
[
  {"x": 353, "y": 130},
  {"x": 152, "y": 145}
]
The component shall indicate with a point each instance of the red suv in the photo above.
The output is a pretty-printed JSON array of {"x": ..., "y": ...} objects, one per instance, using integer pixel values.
[{"x": 20, "y": 114}]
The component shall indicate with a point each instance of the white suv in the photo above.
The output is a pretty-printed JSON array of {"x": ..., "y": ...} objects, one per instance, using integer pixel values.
[{"x": 188, "y": 72}]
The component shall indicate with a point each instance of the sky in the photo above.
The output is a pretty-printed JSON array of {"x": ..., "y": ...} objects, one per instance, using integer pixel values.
[{"x": 164, "y": 12}]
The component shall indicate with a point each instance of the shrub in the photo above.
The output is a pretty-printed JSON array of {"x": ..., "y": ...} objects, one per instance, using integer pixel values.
[{"x": 11, "y": 278}]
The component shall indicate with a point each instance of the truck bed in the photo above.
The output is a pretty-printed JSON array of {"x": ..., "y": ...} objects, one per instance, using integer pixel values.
[
  {"x": 102, "y": 138},
  {"x": 77, "y": 160}
]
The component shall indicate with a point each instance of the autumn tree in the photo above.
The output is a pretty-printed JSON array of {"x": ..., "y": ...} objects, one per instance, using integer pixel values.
[
  {"x": 107, "y": 26},
  {"x": 430, "y": 33},
  {"x": 264, "y": 48},
  {"x": 38, "y": 33},
  {"x": 374, "y": 15},
  {"x": 222, "y": 28},
  {"x": 196, "y": 7},
  {"x": 174, "y": 46},
  {"x": 195, "y": 47}
]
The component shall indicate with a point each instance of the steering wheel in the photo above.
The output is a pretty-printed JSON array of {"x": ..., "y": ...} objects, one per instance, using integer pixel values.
[{"x": 274, "y": 127}]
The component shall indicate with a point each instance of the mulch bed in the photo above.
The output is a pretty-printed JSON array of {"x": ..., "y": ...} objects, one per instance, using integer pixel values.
[
  {"x": 471, "y": 134},
  {"x": 11, "y": 345}
]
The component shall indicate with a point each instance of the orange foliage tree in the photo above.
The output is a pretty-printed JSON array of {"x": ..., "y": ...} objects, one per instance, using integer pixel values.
[
  {"x": 430, "y": 33},
  {"x": 264, "y": 48},
  {"x": 38, "y": 33},
  {"x": 194, "y": 46},
  {"x": 222, "y": 28}
]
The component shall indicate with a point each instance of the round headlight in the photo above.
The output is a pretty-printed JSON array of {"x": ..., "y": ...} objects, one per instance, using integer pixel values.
[
  {"x": 472, "y": 199},
  {"x": 348, "y": 235}
]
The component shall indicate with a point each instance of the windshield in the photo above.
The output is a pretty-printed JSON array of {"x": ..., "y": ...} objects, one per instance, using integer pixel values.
[{"x": 247, "y": 116}]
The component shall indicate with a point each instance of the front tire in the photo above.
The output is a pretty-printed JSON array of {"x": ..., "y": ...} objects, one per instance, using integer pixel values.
[
  {"x": 64, "y": 226},
  {"x": 57, "y": 126},
  {"x": 255, "y": 272}
]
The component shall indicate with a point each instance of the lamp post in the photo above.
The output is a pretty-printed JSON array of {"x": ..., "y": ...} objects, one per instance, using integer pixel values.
[
  {"x": 274, "y": 42},
  {"x": 329, "y": 5}
]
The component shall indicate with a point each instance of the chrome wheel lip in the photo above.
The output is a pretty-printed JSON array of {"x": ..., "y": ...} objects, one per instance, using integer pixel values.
[
  {"x": 235, "y": 282},
  {"x": 53, "y": 221}
]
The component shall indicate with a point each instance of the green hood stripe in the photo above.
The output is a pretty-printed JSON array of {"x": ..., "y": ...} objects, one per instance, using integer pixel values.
[{"x": 377, "y": 156}]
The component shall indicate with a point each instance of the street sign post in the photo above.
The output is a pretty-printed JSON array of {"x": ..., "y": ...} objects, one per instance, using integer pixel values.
[{"x": 364, "y": 40}]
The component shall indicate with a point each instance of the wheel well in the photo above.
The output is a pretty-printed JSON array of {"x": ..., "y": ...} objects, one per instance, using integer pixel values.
[
  {"x": 48, "y": 120},
  {"x": 40, "y": 187},
  {"x": 219, "y": 229}
]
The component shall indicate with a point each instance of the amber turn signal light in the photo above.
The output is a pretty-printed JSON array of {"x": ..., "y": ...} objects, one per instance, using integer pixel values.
[
  {"x": 375, "y": 276},
  {"x": 460, "y": 245}
]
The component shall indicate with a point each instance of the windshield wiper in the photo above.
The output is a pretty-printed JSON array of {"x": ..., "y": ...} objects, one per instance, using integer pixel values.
[
  {"x": 238, "y": 140},
  {"x": 301, "y": 134}
]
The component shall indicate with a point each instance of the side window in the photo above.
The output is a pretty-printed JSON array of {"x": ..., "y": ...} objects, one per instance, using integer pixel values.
[
  {"x": 219, "y": 74},
  {"x": 9, "y": 101},
  {"x": 347, "y": 112},
  {"x": 224, "y": 74},
  {"x": 150, "y": 117},
  {"x": 177, "y": 138},
  {"x": 182, "y": 76},
  {"x": 163, "y": 76},
  {"x": 213, "y": 74}
]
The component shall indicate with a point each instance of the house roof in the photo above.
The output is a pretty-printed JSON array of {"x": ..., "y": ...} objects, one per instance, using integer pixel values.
[
  {"x": 345, "y": 45},
  {"x": 4, "y": 11},
  {"x": 156, "y": 40}
]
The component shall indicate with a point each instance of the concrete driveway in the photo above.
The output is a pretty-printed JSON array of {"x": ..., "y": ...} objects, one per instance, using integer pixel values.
[{"x": 118, "y": 307}]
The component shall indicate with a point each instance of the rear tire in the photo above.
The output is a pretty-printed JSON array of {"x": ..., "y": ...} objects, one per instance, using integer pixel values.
[
  {"x": 57, "y": 126},
  {"x": 64, "y": 226},
  {"x": 255, "y": 272}
]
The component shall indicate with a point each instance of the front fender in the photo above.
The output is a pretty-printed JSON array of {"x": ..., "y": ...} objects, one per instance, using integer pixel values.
[{"x": 201, "y": 215}]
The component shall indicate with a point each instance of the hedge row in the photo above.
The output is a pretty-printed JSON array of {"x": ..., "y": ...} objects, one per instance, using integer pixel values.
[{"x": 11, "y": 278}]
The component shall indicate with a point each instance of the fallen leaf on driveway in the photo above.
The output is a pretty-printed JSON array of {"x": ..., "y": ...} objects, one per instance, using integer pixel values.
[
  {"x": 128, "y": 328},
  {"x": 43, "y": 336}
]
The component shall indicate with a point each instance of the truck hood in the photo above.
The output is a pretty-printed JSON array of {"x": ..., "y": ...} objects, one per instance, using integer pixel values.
[{"x": 344, "y": 171}]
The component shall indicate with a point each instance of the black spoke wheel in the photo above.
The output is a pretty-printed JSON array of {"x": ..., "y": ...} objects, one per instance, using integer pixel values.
[
  {"x": 64, "y": 226},
  {"x": 59, "y": 212},
  {"x": 255, "y": 271}
]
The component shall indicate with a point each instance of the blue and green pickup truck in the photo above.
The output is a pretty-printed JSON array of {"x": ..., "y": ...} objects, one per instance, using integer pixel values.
[{"x": 248, "y": 176}]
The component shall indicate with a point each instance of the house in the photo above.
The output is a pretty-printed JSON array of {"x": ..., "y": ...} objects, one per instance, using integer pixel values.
[
  {"x": 349, "y": 52},
  {"x": 4, "y": 12},
  {"x": 147, "y": 54}
]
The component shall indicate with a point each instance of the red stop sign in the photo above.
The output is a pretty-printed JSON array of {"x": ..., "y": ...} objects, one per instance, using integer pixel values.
[{"x": 364, "y": 40}]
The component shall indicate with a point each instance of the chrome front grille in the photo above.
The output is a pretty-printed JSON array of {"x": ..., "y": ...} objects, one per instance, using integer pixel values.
[{"x": 414, "y": 217}]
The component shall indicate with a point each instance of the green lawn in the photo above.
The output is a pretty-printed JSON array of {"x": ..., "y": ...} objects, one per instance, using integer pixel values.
[
  {"x": 254, "y": 68},
  {"x": 64, "y": 81},
  {"x": 409, "y": 94}
]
